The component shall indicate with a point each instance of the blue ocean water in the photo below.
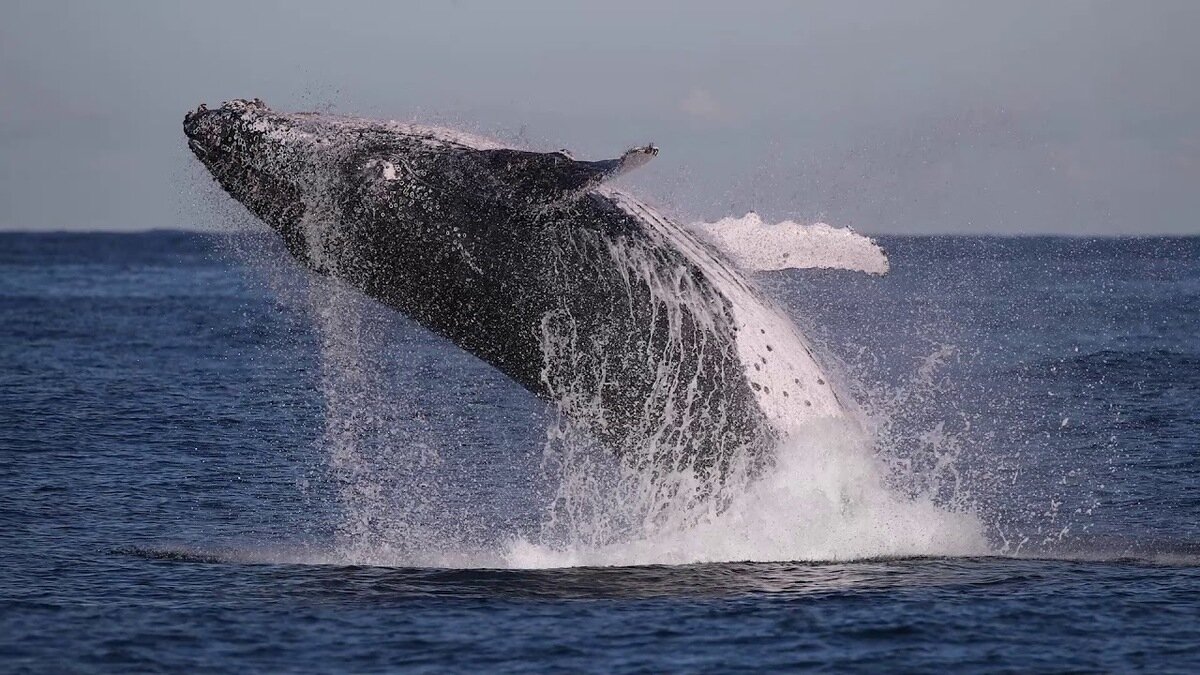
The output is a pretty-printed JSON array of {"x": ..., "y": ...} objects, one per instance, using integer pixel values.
[{"x": 179, "y": 474}]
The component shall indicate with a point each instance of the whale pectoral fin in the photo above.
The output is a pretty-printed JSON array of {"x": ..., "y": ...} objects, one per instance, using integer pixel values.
[
  {"x": 554, "y": 174},
  {"x": 756, "y": 246}
]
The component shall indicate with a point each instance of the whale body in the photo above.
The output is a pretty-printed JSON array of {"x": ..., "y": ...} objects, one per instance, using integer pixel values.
[{"x": 637, "y": 330}]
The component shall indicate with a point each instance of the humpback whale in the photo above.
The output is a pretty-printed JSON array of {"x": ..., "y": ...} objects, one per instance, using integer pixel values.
[{"x": 637, "y": 330}]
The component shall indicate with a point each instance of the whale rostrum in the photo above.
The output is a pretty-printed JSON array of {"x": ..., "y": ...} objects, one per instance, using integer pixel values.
[{"x": 638, "y": 332}]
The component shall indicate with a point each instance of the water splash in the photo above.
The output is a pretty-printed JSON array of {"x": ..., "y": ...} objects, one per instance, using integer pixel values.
[
  {"x": 827, "y": 492},
  {"x": 839, "y": 487},
  {"x": 826, "y": 498},
  {"x": 378, "y": 448}
]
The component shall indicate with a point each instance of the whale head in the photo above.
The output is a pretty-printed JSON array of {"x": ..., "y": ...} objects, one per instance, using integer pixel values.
[
  {"x": 223, "y": 136},
  {"x": 259, "y": 157}
]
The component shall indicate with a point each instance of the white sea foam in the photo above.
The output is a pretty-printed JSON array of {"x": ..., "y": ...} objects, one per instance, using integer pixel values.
[
  {"x": 756, "y": 245},
  {"x": 826, "y": 499}
]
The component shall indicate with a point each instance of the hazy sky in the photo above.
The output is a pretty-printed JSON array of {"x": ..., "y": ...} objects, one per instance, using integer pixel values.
[{"x": 916, "y": 116}]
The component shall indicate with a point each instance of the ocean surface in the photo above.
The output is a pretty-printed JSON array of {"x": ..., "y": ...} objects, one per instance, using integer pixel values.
[{"x": 211, "y": 462}]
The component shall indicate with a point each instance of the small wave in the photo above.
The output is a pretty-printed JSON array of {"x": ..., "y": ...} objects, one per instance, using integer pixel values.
[
  {"x": 1109, "y": 362},
  {"x": 230, "y": 553},
  {"x": 1166, "y": 553}
]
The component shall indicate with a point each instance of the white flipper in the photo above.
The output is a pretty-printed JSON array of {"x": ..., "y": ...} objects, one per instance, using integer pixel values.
[{"x": 757, "y": 246}]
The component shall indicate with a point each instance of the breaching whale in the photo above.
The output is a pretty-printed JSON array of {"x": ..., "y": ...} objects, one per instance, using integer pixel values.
[{"x": 633, "y": 327}]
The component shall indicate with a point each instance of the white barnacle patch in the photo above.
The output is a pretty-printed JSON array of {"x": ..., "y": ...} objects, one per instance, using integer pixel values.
[{"x": 386, "y": 169}]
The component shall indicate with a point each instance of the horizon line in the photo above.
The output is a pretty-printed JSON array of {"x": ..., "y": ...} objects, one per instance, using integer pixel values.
[{"x": 962, "y": 234}]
